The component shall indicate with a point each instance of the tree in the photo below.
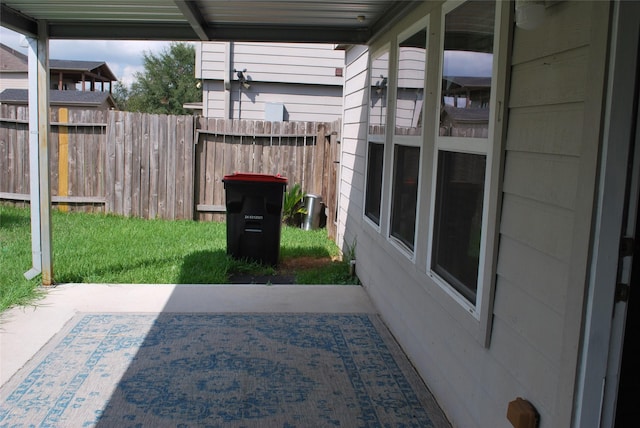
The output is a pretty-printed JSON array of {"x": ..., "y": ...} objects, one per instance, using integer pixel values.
[
  {"x": 120, "y": 95},
  {"x": 167, "y": 82}
]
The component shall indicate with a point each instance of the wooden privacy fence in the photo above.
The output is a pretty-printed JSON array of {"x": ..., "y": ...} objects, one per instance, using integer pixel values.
[{"x": 160, "y": 166}]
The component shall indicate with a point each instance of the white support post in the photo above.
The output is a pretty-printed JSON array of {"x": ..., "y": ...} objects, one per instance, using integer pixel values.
[
  {"x": 34, "y": 172},
  {"x": 43, "y": 153}
]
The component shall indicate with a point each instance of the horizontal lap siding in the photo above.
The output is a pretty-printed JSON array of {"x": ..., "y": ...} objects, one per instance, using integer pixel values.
[
  {"x": 352, "y": 159},
  {"x": 300, "y": 76},
  {"x": 313, "y": 64},
  {"x": 542, "y": 177},
  {"x": 308, "y": 103}
]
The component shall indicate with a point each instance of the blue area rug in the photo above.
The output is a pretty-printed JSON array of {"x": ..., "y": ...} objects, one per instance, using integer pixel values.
[{"x": 220, "y": 370}]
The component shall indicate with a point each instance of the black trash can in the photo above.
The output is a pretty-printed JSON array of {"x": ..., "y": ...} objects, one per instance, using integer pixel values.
[{"x": 254, "y": 216}]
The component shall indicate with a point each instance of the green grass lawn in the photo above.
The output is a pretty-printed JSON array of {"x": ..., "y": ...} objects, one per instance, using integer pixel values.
[{"x": 98, "y": 248}]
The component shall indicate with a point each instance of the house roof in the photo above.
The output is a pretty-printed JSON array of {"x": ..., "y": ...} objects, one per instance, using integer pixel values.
[
  {"x": 332, "y": 21},
  {"x": 13, "y": 61},
  {"x": 469, "y": 81},
  {"x": 94, "y": 68},
  {"x": 468, "y": 115},
  {"x": 67, "y": 98}
]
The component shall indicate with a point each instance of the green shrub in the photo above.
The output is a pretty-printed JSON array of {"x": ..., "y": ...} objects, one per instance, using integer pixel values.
[{"x": 293, "y": 208}]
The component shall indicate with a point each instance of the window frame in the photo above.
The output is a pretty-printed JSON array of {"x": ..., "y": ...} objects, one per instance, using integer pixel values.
[
  {"x": 475, "y": 318},
  {"x": 407, "y": 140},
  {"x": 491, "y": 148},
  {"x": 377, "y": 138}
]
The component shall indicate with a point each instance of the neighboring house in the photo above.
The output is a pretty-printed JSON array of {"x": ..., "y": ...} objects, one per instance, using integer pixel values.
[
  {"x": 270, "y": 81},
  {"x": 73, "y": 83}
]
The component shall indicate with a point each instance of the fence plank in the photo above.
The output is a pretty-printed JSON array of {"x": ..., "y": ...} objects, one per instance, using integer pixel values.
[
  {"x": 162, "y": 166},
  {"x": 145, "y": 153},
  {"x": 12, "y": 153},
  {"x": 120, "y": 163},
  {"x": 22, "y": 141},
  {"x": 179, "y": 183},
  {"x": 89, "y": 158},
  {"x": 154, "y": 161},
  {"x": 110, "y": 166},
  {"x": 136, "y": 149},
  {"x": 205, "y": 158},
  {"x": 189, "y": 165},
  {"x": 4, "y": 151}
]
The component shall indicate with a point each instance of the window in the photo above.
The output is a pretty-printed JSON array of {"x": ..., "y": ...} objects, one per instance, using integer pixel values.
[
  {"x": 377, "y": 130},
  {"x": 374, "y": 182},
  {"x": 378, "y": 94},
  {"x": 462, "y": 146},
  {"x": 410, "y": 84},
  {"x": 407, "y": 139},
  {"x": 457, "y": 231},
  {"x": 405, "y": 194}
]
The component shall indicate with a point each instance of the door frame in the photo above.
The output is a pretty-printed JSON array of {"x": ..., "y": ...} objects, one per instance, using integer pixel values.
[{"x": 602, "y": 341}]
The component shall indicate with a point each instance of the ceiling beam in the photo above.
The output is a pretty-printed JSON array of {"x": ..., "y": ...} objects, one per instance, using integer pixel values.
[
  {"x": 192, "y": 14},
  {"x": 183, "y": 32},
  {"x": 284, "y": 33},
  {"x": 106, "y": 30},
  {"x": 16, "y": 21}
]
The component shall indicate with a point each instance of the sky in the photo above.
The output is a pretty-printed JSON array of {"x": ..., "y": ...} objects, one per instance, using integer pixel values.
[{"x": 124, "y": 58}]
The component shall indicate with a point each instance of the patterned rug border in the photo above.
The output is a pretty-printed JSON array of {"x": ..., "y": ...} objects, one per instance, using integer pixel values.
[{"x": 405, "y": 366}]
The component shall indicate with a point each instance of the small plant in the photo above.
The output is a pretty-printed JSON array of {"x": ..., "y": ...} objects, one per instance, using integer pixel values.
[
  {"x": 293, "y": 208},
  {"x": 350, "y": 250},
  {"x": 349, "y": 257}
]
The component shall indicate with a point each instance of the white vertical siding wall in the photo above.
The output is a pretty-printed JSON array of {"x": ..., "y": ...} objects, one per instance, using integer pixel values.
[
  {"x": 301, "y": 76},
  {"x": 549, "y": 181}
]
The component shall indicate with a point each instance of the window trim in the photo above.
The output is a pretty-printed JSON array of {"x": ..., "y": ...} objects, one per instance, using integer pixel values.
[
  {"x": 377, "y": 139},
  {"x": 366, "y": 186},
  {"x": 492, "y": 148},
  {"x": 421, "y": 24},
  {"x": 395, "y": 241},
  {"x": 407, "y": 140},
  {"x": 475, "y": 319}
]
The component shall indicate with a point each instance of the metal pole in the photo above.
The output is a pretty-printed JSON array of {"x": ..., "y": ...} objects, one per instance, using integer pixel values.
[
  {"x": 34, "y": 172},
  {"x": 43, "y": 153}
]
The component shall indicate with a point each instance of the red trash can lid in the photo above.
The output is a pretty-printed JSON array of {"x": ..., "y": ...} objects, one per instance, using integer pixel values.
[{"x": 252, "y": 177}]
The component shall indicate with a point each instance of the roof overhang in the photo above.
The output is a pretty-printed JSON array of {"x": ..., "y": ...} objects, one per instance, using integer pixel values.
[{"x": 338, "y": 22}]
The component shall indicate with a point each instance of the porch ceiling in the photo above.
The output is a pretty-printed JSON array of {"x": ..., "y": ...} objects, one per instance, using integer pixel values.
[{"x": 332, "y": 21}]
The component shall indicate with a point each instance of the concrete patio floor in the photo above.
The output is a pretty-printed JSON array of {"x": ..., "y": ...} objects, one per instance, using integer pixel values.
[{"x": 24, "y": 330}]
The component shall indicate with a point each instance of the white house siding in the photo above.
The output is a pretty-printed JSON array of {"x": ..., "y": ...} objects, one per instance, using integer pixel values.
[
  {"x": 550, "y": 163},
  {"x": 289, "y": 62},
  {"x": 303, "y": 77},
  {"x": 301, "y": 102},
  {"x": 354, "y": 132},
  {"x": 14, "y": 81}
]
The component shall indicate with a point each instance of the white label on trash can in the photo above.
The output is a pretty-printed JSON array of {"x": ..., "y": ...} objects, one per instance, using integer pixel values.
[{"x": 253, "y": 217}]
